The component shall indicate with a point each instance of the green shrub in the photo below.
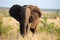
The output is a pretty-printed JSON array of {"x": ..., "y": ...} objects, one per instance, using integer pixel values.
[
  {"x": 57, "y": 31},
  {"x": 47, "y": 27},
  {"x": 1, "y": 27},
  {"x": 4, "y": 30}
]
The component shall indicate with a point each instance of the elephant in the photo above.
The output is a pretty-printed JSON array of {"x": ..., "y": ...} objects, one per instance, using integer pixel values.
[{"x": 26, "y": 15}]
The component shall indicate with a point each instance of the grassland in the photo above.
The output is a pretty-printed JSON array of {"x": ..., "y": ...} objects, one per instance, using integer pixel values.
[{"x": 47, "y": 29}]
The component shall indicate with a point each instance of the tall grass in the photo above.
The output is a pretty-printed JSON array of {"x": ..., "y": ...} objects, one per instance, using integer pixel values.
[
  {"x": 46, "y": 27},
  {"x": 50, "y": 28},
  {"x": 4, "y": 30}
]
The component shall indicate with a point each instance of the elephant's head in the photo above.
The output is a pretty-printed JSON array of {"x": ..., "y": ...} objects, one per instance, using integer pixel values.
[{"x": 35, "y": 13}]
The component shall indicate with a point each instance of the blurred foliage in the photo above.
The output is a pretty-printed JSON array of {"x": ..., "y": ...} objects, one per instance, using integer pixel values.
[
  {"x": 48, "y": 27},
  {"x": 45, "y": 27},
  {"x": 4, "y": 30},
  {"x": 18, "y": 30}
]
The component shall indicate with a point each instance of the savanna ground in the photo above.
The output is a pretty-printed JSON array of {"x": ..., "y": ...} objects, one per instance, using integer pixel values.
[{"x": 47, "y": 29}]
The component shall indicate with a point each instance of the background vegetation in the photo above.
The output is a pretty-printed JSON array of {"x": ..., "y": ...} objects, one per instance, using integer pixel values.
[{"x": 48, "y": 29}]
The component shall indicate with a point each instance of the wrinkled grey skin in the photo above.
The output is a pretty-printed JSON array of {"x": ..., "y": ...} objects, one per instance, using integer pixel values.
[{"x": 25, "y": 15}]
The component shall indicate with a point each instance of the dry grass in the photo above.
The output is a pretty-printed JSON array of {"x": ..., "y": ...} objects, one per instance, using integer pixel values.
[{"x": 15, "y": 35}]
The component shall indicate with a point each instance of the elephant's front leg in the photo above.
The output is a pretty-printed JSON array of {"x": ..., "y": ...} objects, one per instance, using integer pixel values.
[
  {"x": 28, "y": 28},
  {"x": 22, "y": 30},
  {"x": 22, "y": 26}
]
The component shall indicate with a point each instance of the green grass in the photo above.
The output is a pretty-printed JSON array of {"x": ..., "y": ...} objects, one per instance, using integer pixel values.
[
  {"x": 48, "y": 27},
  {"x": 4, "y": 30}
]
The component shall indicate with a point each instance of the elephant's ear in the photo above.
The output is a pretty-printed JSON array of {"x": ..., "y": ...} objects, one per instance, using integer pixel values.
[
  {"x": 15, "y": 10},
  {"x": 37, "y": 11}
]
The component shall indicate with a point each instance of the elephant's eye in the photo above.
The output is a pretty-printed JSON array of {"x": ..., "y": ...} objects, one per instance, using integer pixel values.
[{"x": 30, "y": 19}]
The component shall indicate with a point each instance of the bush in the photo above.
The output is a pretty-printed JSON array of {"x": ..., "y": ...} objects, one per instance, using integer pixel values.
[
  {"x": 4, "y": 30},
  {"x": 49, "y": 27}
]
